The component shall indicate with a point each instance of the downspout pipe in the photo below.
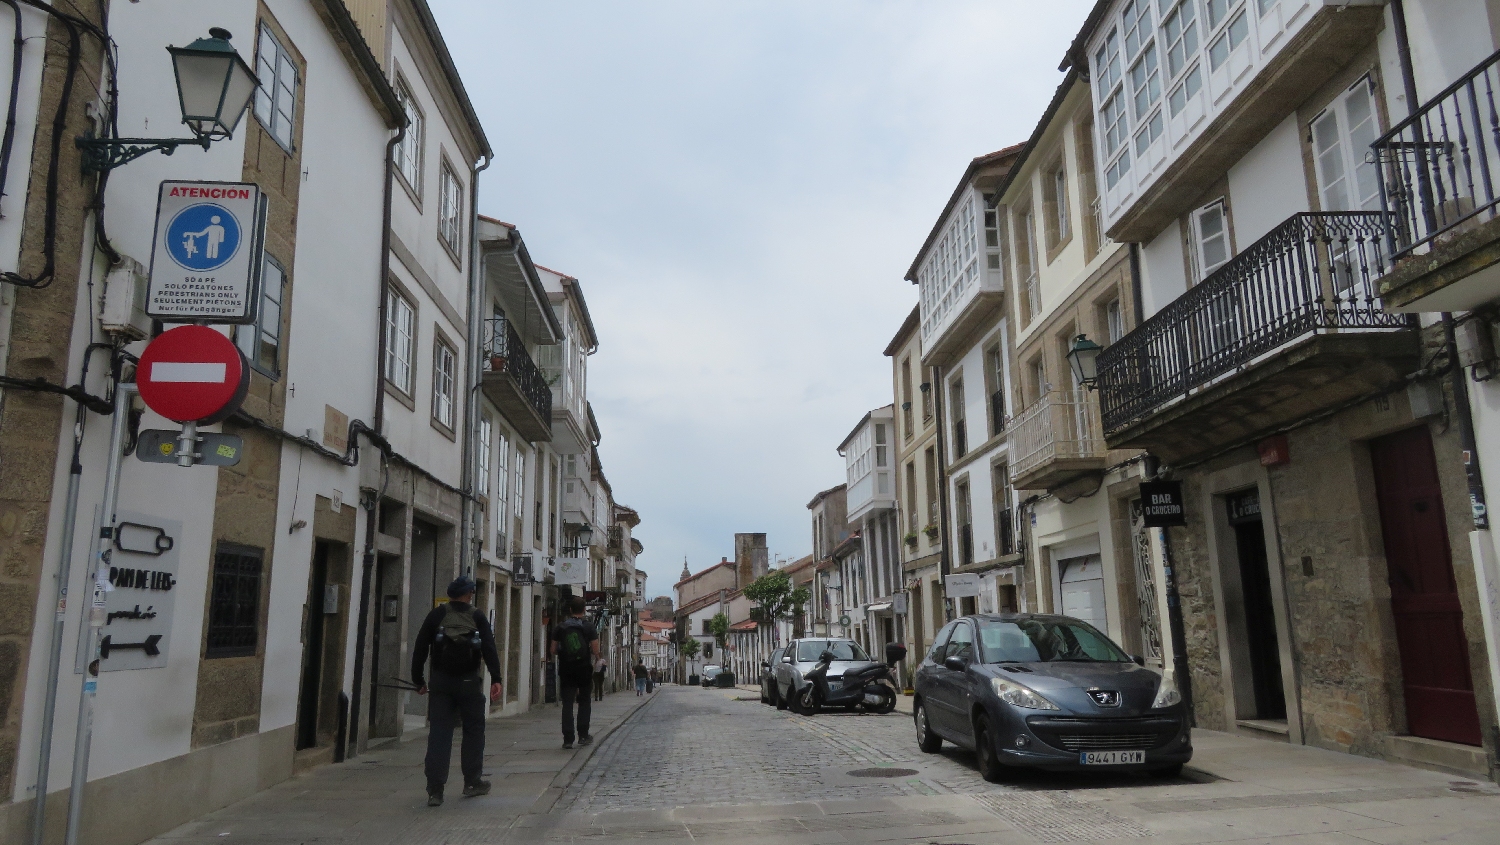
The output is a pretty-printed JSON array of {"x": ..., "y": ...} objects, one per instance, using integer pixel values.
[
  {"x": 1479, "y": 510},
  {"x": 469, "y": 553},
  {"x": 372, "y": 514},
  {"x": 945, "y": 556}
]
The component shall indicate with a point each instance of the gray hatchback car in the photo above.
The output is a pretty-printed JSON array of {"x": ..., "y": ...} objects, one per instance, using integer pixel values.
[{"x": 1048, "y": 692}]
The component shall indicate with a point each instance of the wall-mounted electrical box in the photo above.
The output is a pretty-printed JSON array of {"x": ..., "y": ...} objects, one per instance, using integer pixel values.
[{"x": 125, "y": 301}]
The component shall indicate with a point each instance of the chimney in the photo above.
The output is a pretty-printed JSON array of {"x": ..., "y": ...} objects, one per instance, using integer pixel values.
[{"x": 750, "y": 558}]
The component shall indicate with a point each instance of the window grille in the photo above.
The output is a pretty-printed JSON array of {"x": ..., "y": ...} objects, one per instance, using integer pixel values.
[{"x": 234, "y": 606}]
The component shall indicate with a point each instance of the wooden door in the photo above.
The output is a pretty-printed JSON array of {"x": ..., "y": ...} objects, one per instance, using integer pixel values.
[{"x": 1424, "y": 597}]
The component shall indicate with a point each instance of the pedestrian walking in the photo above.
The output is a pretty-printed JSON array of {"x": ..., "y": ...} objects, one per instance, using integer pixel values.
[
  {"x": 599, "y": 680},
  {"x": 460, "y": 641},
  {"x": 575, "y": 647},
  {"x": 640, "y": 677}
]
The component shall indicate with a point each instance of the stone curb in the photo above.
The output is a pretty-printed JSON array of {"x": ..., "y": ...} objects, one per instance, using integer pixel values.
[{"x": 565, "y": 777}]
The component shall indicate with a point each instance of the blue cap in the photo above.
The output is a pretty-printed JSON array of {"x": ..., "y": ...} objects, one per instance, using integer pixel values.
[{"x": 462, "y": 586}]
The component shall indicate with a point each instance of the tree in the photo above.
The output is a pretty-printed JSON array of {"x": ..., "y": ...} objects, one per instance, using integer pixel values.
[
  {"x": 691, "y": 648},
  {"x": 777, "y": 599},
  {"x": 719, "y": 627}
]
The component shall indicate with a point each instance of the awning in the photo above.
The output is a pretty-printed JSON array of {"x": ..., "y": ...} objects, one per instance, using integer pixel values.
[{"x": 877, "y": 608}]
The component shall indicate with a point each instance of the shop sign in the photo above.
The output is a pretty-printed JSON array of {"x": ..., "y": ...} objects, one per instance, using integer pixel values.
[
  {"x": 139, "y": 584},
  {"x": 961, "y": 586},
  {"x": 1162, "y": 504},
  {"x": 571, "y": 570}
]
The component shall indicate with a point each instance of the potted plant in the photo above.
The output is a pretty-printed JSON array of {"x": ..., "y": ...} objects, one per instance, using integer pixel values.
[
  {"x": 911, "y": 539},
  {"x": 932, "y": 533},
  {"x": 497, "y": 363}
]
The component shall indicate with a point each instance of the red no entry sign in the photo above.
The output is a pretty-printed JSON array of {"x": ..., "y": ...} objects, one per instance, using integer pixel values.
[{"x": 193, "y": 374}]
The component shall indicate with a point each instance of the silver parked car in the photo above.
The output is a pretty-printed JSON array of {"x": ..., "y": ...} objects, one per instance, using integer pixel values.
[{"x": 802, "y": 656}]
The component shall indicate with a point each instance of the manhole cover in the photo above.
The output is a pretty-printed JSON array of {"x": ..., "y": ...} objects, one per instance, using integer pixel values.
[{"x": 882, "y": 772}]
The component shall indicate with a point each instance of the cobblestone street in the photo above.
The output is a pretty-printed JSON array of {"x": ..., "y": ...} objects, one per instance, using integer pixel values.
[{"x": 689, "y": 764}]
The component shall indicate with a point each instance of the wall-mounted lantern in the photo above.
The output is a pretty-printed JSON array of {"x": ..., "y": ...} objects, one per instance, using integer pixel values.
[{"x": 214, "y": 88}]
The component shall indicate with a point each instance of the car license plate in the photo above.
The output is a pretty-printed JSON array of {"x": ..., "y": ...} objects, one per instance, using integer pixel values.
[{"x": 1111, "y": 758}]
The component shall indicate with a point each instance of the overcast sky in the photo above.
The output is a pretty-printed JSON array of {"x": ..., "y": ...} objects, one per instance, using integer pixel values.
[{"x": 739, "y": 188}]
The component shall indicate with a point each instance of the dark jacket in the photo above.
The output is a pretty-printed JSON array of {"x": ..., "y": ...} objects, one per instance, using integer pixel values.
[{"x": 428, "y": 633}]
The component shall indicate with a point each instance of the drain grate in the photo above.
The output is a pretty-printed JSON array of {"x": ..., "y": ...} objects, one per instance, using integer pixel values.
[{"x": 882, "y": 772}]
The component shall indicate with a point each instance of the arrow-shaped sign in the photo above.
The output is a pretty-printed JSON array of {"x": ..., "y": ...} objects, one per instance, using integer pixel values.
[{"x": 149, "y": 646}]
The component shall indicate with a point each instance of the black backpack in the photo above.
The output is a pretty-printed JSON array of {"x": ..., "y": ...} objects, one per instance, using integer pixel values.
[
  {"x": 573, "y": 644},
  {"x": 458, "y": 648}
]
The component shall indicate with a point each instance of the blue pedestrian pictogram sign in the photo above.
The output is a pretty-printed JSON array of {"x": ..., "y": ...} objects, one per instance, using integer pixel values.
[
  {"x": 203, "y": 237},
  {"x": 206, "y": 253}
]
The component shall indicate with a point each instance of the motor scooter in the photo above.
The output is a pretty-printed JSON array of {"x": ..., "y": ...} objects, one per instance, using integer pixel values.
[{"x": 870, "y": 685}]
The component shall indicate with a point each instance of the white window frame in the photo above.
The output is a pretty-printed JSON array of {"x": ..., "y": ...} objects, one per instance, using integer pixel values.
[
  {"x": 400, "y": 340},
  {"x": 409, "y": 152},
  {"x": 1200, "y": 238},
  {"x": 1064, "y": 220},
  {"x": 485, "y": 450},
  {"x": 1337, "y": 124},
  {"x": 1114, "y": 321},
  {"x": 253, "y": 338},
  {"x": 450, "y": 208},
  {"x": 276, "y": 98},
  {"x": 444, "y": 383}
]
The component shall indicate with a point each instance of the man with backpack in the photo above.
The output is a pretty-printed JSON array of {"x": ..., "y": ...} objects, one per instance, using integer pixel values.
[
  {"x": 575, "y": 647},
  {"x": 460, "y": 640}
]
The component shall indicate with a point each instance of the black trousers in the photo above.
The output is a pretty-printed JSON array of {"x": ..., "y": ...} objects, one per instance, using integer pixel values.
[
  {"x": 598, "y": 686},
  {"x": 575, "y": 690},
  {"x": 451, "y": 699}
]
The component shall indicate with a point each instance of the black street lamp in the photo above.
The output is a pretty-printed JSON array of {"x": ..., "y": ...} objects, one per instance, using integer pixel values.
[
  {"x": 214, "y": 87},
  {"x": 581, "y": 537},
  {"x": 1084, "y": 359}
]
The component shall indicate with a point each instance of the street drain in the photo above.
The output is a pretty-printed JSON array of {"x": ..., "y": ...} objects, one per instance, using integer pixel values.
[{"x": 882, "y": 772}]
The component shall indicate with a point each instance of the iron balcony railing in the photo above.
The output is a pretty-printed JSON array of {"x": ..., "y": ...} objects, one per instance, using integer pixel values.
[
  {"x": 1439, "y": 166},
  {"x": 1062, "y": 424},
  {"x": 505, "y": 353},
  {"x": 1313, "y": 273}
]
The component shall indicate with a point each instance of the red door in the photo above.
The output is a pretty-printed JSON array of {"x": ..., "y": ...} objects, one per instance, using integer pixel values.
[{"x": 1424, "y": 597}]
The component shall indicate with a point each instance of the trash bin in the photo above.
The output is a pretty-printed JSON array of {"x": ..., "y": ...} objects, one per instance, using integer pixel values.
[
  {"x": 692, "y": 680},
  {"x": 724, "y": 680}
]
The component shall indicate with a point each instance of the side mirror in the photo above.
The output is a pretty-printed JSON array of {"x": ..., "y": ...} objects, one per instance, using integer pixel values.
[
  {"x": 895, "y": 652},
  {"x": 765, "y": 664},
  {"x": 786, "y": 659},
  {"x": 1138, "y": 660},
  {"x": 955, "y": 663}
]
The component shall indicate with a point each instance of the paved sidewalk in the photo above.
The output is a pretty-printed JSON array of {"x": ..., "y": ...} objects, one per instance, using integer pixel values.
[{"x": 380, "y": 797}]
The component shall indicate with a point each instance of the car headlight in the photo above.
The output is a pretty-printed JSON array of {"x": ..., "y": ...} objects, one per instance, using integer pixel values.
[
  {"x": 1166, "y": 694},
  {"x": 1018, "y": 695}
]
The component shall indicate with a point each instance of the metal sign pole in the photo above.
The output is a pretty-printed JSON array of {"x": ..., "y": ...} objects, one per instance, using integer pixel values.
[{"x": 123, "y": 394}]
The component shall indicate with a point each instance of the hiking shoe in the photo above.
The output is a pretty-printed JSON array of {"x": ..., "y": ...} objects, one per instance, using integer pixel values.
[
  {"x": 585, "y": 739},
  {"x": 568, "y": 744},
  {"x": 435, "y": 799},
  {"x": 477, "y": 788}
]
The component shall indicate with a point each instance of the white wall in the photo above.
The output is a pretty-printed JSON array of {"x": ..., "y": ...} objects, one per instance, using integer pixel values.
[
  {"x": 145, "y": 716},
  {"x": 1163, "y": 273},
  {"x": 1268, "y": 184}
]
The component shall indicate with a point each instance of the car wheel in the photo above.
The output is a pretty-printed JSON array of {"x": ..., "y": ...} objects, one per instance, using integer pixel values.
[
  {"x": 990, "y": 767},
  {"x": 1172, "y": 771},
  {"x": 926, "y": 739},
  {"x": 764, "y": 699},
  {"x": 777, "y": 699}
]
